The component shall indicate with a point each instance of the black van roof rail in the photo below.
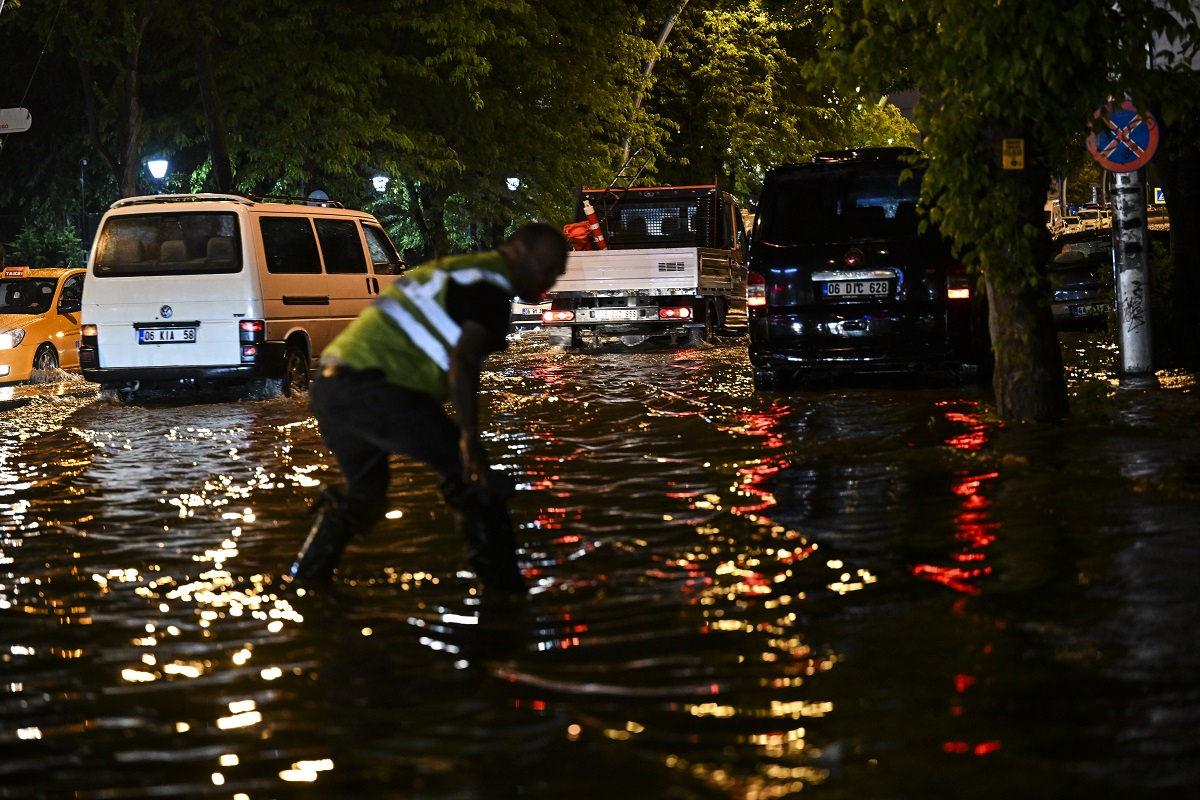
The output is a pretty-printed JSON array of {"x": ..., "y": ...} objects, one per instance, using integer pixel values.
[{"x": 864, "y": 154}]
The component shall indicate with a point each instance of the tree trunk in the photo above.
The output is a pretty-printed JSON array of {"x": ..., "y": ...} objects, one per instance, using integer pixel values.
[
  {"x": 1180, "y": 166},
  {"x": 218, "y": 147},
  {"x": 1028, "y": 378}
]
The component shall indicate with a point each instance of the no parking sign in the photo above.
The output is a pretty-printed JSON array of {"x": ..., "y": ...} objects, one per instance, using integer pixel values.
[{"x": 1129, "y": 141}]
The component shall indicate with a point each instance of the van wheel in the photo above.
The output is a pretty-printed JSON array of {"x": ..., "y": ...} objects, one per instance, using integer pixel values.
[
  {"x": 295, "y": 371},
  {"x": 45, "y": 359}
]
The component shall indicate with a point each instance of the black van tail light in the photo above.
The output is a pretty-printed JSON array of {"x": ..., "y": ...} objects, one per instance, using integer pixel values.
[
  {"x": 756, "y": 290},
  {"x": 958, "y": 287}
]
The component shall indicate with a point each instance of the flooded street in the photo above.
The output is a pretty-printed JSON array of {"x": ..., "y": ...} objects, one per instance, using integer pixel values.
[{"x": 861, "y": 591}]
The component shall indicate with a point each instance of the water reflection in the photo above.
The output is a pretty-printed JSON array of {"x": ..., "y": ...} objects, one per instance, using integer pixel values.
[{"x": 857, "y": 591}]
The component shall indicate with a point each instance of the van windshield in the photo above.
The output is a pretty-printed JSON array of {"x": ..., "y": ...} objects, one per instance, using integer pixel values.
[
  {"x": 26, "y": 296},
  {"x": 812, "y": 207},
  {"x": 183, "y": 243}
]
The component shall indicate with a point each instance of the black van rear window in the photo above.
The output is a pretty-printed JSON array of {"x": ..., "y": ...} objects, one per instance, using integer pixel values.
[
  {"x": 183, "y": 243},
  {"x": 828, "y": 207}
]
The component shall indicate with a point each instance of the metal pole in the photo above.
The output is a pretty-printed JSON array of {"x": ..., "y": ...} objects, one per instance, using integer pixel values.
[
  {"x": 1131, "y": 280},
  {"x": 82, "y": 204}
]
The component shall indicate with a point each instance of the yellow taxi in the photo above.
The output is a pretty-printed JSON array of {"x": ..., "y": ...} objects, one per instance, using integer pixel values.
[{"x": 39, "y": 320}]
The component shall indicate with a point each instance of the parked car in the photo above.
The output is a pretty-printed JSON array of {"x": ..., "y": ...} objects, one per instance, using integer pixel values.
[
  {"x": 1081, "y": 282},
  {"x": 1071, "y": 224},
  {"x": 39, "y": 320},
  {"x": 527, "y": 315},
  {"x": 1091, "y": 219},
  {"x": 842, "y": 279}
]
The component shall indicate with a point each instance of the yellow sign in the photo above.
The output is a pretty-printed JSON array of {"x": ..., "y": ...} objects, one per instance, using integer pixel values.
[{"x": 1014, "y": 154}]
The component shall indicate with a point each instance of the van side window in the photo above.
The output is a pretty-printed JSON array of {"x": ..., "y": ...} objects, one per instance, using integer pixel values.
[
  {"x": 383, "y": 255},
  {"x": 290, "y": 245},
  {"x": 341, "y": 246}
]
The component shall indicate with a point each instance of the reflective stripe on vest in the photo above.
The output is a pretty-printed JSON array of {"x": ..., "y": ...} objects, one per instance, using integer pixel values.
[
  {"x": 430, "y": 345},
  {"x": 432, "y": 320}
]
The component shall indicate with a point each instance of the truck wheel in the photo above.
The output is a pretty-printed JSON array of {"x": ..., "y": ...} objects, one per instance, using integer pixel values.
[
  {"x": 45, "y": 359},
  {"x": 576, "y": 338},
  {"x": 705, "y": 334}
]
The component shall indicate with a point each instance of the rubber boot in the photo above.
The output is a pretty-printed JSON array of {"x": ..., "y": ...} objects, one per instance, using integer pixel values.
[
  {"x": 487, "y": 532},
  {"x": 331, "y": 532}
]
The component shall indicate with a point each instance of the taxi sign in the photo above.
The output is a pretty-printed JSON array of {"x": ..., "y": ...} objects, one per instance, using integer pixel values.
[
  {"x": 1129, "y": 140},
  {"x": 16, "y": 272}
]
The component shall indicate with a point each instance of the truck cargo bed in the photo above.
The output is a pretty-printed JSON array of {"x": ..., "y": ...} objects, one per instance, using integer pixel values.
[{"x": 682, "y": 270}]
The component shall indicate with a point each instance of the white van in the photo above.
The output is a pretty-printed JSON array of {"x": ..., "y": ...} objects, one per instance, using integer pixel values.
[{"x": 184, "y": 289}]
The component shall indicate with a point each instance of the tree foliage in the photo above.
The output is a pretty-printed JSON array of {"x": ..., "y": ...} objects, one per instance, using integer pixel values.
[{"x": 731, "y": 90}]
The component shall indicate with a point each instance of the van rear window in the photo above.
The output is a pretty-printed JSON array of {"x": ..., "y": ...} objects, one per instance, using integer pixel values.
[
  {"x": 184, "y": 243},
  {"x": 822, "y": 207}
]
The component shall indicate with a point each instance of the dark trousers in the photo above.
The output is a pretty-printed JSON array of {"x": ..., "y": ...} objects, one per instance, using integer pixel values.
[{"x": 363, "y": 419}]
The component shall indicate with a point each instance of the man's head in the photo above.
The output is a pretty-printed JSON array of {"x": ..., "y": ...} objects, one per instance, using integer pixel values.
[{"x": 537, "y": 255}]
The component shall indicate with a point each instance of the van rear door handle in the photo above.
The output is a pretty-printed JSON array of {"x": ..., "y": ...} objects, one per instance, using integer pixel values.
[{"x": 297, "y": 300}]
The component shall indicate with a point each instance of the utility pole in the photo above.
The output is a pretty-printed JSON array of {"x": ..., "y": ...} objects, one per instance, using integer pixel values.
[
  {"x": 1131, "y": 279},
  {"x": 1124, "y": 142}
]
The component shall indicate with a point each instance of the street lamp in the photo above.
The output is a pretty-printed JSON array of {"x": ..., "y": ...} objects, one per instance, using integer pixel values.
[
  {"x": 512, "y": 183},
  {"x": 380, "y": 182},
  {"x": 158, "y": 168}
]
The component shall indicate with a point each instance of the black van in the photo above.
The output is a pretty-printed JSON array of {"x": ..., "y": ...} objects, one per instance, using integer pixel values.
[{"x": 841, "y": 280}]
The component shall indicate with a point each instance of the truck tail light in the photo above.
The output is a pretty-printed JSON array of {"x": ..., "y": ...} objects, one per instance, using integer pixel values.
[
  {"x": 756, "y": 290},
  {"x": 675, "y": 312},
  {"x": 958, "y": 287},
  {"x": 558, "y": 316}
]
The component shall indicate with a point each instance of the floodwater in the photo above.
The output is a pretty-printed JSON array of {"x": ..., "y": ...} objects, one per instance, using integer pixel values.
[{"x": 861, "y": 591}]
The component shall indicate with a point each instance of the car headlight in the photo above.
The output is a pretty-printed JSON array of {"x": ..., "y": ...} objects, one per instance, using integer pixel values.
[{"x": 11, "y": 339}]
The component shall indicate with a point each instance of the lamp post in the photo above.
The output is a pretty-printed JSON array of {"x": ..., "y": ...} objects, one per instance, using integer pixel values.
[
  {"x": 158, "y": 170},
  {"x": 82, "y": 202},
  {"x": 380, "y": 182}
]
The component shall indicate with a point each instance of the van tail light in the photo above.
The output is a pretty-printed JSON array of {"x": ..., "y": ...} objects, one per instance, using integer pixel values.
[
  {"x": 251, "y": 333},
  {"x": 675, "y": 312},
  {"x": 756, "y": 290},
  {"x": 558, "y": 316},
  {"x": 88, "y": 330}
]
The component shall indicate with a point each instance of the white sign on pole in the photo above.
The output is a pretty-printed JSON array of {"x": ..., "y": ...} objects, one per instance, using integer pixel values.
[{"x": 15, "y": 120}]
